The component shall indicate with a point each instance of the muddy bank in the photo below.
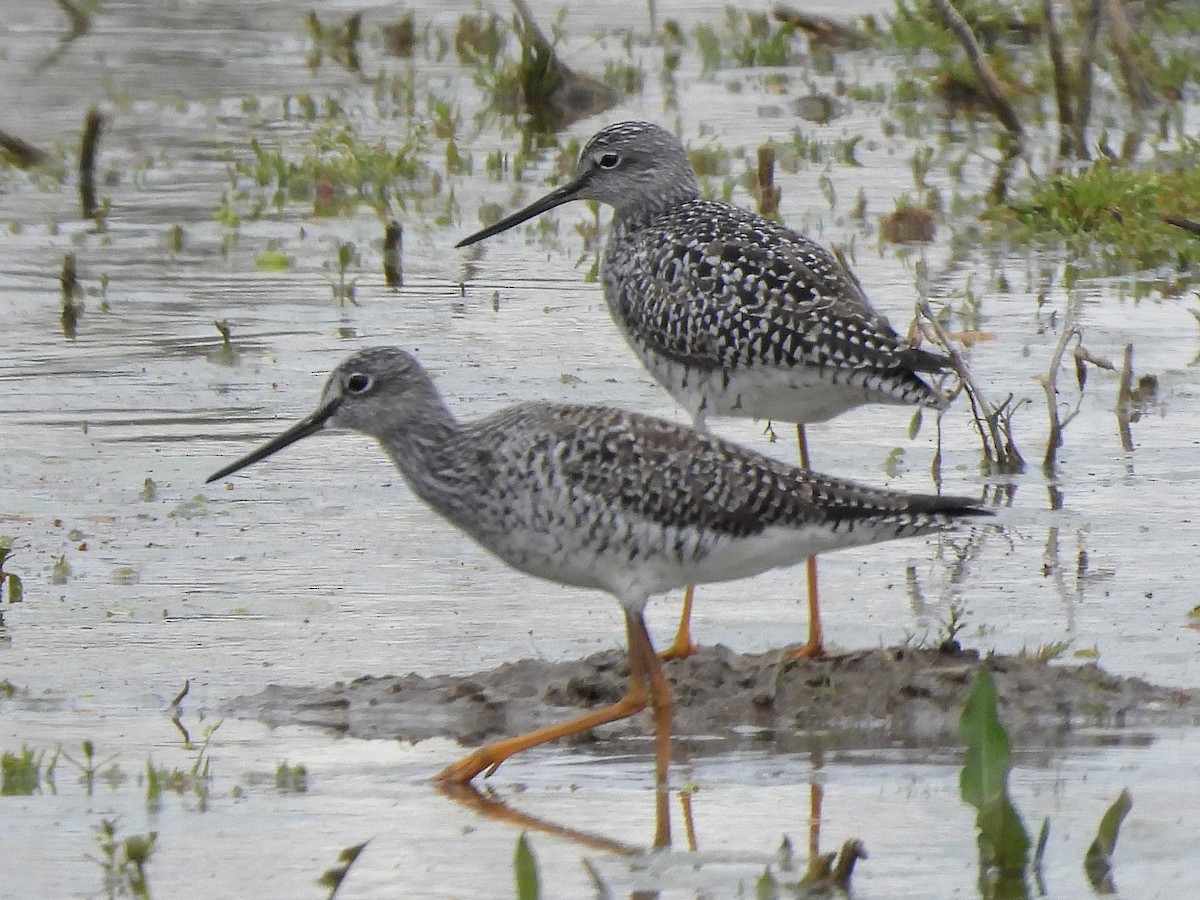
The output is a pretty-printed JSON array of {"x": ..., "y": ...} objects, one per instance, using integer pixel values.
[{"x": 868, "y": 698}]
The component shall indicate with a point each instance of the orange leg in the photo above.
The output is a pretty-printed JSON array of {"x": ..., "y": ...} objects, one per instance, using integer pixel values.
[
  {"x": 689, "y": 822},
  {"x": 816, "y": 794},
  {"x": 644, "y": 661},
  {"x": 816, "y": 638},
  {"x": 682, "y": 647},
  {"x": 488, "y": 758}
]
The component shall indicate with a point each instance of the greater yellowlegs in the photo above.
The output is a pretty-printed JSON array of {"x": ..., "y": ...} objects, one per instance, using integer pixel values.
[
  {"x": 734, "y": 314},
  {"x": 596, "y": 497}
]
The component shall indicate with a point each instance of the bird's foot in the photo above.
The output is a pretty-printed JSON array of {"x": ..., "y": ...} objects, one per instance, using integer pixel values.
[
  {"x": 681, "y": 648},
  {"x": 811, "y": 650},
  {"x": 483, "y": 760}
]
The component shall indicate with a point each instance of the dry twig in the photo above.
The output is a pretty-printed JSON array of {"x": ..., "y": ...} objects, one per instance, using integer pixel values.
[
  {"x": 1087, "y": 57},
  {"x": 1058, "y": 423},
  {"x": 22, "y": 153},
  {"x": 991, "y": 85},
  {"x": 823, "y": 30},
  {"x": 994, "y": 423},
  {"x": 1140, "y": 92},
  {"x": 93, "y": 124},
  {"x": 1062, "y": 96}
]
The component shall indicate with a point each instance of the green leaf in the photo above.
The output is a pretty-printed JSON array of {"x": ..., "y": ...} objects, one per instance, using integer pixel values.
[
  {"x": 272, "y": 260},
  {"x": 332, "y": 878},
  {"x": 984, "y": 777},
  {"x": 766, "y": 888},
  {"x": 1098, "y": 860},
  {"x": 983, "y": 783},
  {"x": 525, "y": 871},
  {"x": 914, "y": 424},
  {"x": 16, "y": 590}
]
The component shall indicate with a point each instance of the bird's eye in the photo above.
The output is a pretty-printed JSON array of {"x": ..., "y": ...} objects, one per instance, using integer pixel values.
[
  {"x": 358, "y": 383},
  {"x": 608, "y": 160}
]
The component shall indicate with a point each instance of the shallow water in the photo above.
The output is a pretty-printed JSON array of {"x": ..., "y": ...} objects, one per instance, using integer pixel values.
[{"x": 320, "y": 566}]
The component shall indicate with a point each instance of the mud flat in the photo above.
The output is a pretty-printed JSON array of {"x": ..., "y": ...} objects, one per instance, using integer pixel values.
[{"x": 879, "y": 697}]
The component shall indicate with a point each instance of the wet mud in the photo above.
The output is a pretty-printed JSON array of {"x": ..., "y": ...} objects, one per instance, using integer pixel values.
[{"x": 877, "y": 697}]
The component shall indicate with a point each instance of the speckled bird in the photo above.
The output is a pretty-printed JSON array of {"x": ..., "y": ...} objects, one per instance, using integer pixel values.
[
  {"x": 732, "y": 313},
  {"x": 596, "y": 497}
]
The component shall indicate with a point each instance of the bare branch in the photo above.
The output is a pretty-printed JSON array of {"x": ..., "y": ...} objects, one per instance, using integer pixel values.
[
  {"x": 22, "y": 153},
  {"x": 1125, "y": 400},
  {"x": 983, "y": 71},
  {"x": 823, "y": 30},
  {"x": 1087, "y": 57},
  {"x": 1140, "y": 93},
  {"x": 1070, "y": 331},
  {"x": 994, "y": 424},
  {"x": 1066, "y": 129}
]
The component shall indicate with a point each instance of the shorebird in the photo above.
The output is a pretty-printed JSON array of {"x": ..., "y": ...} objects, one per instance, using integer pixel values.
[
  {"x": 733, "y": 313},
  {"x": 595, "y": 497}
]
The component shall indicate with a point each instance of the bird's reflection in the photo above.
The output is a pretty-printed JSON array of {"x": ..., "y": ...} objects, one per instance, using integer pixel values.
[
  {"x": 490, "y": 806},
  {"x": 824, "y": 872}
]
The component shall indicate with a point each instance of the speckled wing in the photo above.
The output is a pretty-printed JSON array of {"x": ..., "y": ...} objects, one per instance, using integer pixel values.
[
  {"x": 678, "y": 478},
  {"x": 712, "y": 286}
]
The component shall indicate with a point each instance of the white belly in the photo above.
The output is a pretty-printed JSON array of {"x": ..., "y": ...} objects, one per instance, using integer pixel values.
[{"x": 802, "y": 394}]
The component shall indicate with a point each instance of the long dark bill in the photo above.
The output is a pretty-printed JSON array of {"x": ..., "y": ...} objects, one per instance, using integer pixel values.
[
  {"x": 557, "y": 197},
  {"x": 302, "y": 429}
]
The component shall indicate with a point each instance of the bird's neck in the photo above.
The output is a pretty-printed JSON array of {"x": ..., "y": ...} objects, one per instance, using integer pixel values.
[
  {"x": 419, "y": 440},
  {"x": 647, "y": 207}
]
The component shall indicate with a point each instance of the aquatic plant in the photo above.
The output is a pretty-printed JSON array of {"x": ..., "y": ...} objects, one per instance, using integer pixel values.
[
  {"x": 123, "y": 861},
  {"x": 272, "y": 259},
  {"x": 87, "y": 766},
  {"x": 195, "y": 780},
  {"x": 334, "y": 876},
  {"x": 536, "y": 84},
  {"x": 746, "y": 39},
  {"x": 340, "y": 42},
  {"x": 343, "y": 288},
  {"x": 335, "y": 169},
  {"x": 1004, "y": 858},
  {"x": 525, "y": 871},
  {"x": 25, "y": 772},
  {"x": 1110, "y": 215},
  {"x": 291, "y": 779},
  {"x": 983, "y": 783},
  {"x": 10, "y": 583},
  {"x": 1097, "y": 862}
]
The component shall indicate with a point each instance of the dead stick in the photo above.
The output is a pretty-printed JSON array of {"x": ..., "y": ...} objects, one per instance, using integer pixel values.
[
  {"x": 393, "y": 252},
  {"x": 23, "y": 153},
  {"x": 975, "y": 56},
  {"x": 986, "y": 418},
  {"x": 1050, "y": 385},
  {"x": 1087, "y": 57},
  {"x": 821, "y": 28},
  {"x": 1140, "y": 93},
  {"x": 93, "y": 124},
  {"x": 1066, "y": 129},
  {"x": 768, "y": 191},
  {"x": 1190, "y": 225},
  {"x": 80, "y": 21},
  {"x": 1125, "y": 400}
]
